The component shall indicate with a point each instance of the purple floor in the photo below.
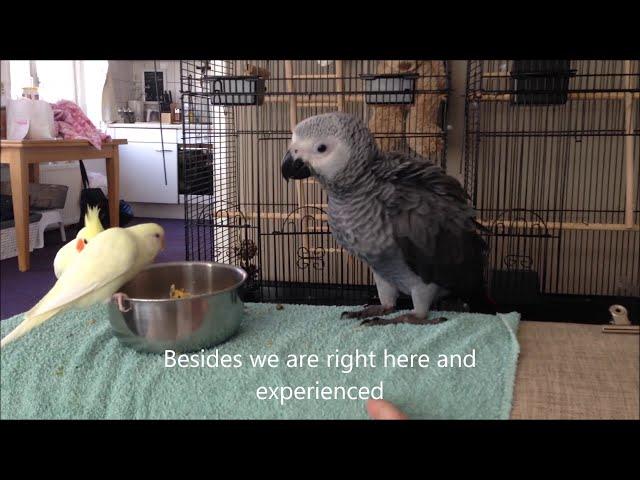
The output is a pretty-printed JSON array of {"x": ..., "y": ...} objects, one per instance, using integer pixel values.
[{"x": 19, "y": 291}]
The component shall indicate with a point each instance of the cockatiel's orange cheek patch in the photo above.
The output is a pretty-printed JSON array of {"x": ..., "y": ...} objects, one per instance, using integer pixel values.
[{"x": 80, "y": 245}]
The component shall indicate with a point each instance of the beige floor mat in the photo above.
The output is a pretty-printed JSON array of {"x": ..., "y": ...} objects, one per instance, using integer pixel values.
[{"x": 573, "y": 371}]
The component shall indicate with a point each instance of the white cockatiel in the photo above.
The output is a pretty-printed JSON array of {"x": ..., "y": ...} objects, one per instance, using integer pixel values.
[{"x": 113, "y": 258}]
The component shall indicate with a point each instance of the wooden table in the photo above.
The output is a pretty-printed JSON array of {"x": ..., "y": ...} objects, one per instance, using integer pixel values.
[{"x": 24, "y": 159}]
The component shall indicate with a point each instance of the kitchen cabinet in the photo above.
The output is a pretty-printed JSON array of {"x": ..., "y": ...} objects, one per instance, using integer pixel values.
[
  {"x": 142, "y": 165},
  {"x": 142, "y": 173}
]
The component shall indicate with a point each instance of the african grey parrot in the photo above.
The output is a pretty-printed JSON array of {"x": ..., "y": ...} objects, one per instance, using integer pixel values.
[{"x": 402, "y": 215}]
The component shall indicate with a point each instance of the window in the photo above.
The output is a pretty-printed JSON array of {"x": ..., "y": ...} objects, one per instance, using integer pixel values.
[
  {"x": 80, "y": 81},
  {"x": 57, "y": 80},
  {"x": 20, "y": 77},
  {"x": 93, "y": 74}
]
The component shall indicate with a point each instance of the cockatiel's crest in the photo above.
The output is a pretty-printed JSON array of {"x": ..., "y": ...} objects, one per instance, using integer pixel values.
[{"x": 92, "y": 224}]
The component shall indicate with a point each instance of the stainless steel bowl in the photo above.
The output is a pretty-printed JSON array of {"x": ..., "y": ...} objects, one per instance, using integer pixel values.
[{"x": 155, "y": 322}]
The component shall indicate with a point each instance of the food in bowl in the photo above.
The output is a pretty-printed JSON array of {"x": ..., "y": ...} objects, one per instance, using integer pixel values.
[{"x": 178, "y": 292}]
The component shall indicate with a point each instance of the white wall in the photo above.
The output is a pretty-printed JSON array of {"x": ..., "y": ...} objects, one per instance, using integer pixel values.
[
  {"x": 5, "y": 78},
  {"x": 122, "y": 74}
]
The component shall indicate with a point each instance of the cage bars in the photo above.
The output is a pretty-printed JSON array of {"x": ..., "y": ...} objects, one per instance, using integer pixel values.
[
  {"x": 296, "y": 258},
  {"x": 557, "y": 183}
]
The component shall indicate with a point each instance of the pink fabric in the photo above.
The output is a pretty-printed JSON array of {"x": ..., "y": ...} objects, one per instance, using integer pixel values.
[{"x": 72, "y": 124}]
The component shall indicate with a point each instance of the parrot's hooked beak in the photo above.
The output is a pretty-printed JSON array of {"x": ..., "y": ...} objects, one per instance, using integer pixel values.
[{"x": 294, "y": 168}]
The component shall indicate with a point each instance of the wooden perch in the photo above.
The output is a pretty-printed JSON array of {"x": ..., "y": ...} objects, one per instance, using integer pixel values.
[
  {"x": 506, "y": 97},
  {"x": 275, "y": 98},
  {"x": 315, "y": 76},
  {"x": 628, "y": 146},
  {"x": 558, "y": 225},
  {"x": 487, "y": 223},
  {"x": 270, "y": 215}
]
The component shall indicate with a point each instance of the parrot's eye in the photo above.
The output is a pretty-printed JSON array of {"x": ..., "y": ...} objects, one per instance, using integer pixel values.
[
  {"x": 157, "y": 235},
  {"x": 85, "y": 241},
  {"x": 322, "y": 148}
]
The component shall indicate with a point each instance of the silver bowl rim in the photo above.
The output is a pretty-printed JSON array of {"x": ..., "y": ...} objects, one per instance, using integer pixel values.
[{"x": 192, "y": 297}]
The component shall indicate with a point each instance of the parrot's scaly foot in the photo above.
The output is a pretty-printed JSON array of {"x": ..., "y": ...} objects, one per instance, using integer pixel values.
[
  {"x": 406, "y": 318},
  {"x": 369, "y": 311},
  {"x": 120, "y": 298}
]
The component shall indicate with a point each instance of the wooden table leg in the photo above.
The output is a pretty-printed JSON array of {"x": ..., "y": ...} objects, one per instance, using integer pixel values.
[
  {"x": 34, "y": 173},
  {"x": 20, "y": 196},
  {"x": 113, "y": 181}
]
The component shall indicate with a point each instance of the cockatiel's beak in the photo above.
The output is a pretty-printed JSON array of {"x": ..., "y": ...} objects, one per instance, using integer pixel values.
[{"x": 294, "y": 168}]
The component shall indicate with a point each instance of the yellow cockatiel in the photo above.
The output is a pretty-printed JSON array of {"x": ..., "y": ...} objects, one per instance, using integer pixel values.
[
  {"x": 109, "y": 261},
  {"x": 67, "y": 254}
]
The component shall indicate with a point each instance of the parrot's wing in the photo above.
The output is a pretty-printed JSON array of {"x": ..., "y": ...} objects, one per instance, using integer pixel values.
[
  {"x": 432, "y": 222},
  {"x": 108, "y": 258},
  {"x": 64, "y": 257}
]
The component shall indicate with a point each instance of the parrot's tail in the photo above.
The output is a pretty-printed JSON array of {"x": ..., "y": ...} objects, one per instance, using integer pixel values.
[{"x": 29, "y": 323}]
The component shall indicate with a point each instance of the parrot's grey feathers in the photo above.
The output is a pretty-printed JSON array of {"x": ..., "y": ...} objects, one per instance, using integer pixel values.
[
  {"x": 432, "y": 222},
  {"x": 412, "y": 170}
]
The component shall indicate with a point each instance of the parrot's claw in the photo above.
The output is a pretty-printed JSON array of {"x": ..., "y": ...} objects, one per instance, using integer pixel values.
[
  {"x": 406, "y": 318},
  {"x": 368, "y": 311},
  {"x": 120, "y": 298}
]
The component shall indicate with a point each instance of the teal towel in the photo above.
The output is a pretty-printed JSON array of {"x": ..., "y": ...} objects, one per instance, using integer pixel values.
[{"x": 73, "y": 368}]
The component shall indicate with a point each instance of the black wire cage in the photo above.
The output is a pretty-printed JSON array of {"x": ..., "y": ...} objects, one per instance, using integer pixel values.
[
  {"x": 551, "y": 163},
  {"x": 237, "y": 122}
]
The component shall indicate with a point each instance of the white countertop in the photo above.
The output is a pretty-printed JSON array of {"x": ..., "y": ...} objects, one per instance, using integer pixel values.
[{"x": 144, "y": 125}]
